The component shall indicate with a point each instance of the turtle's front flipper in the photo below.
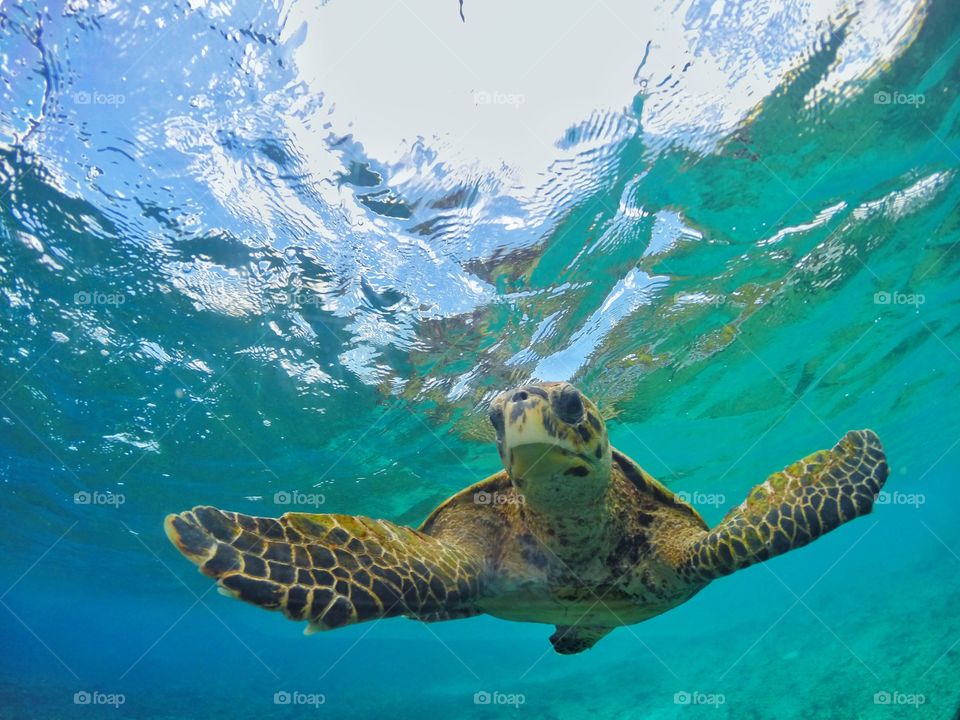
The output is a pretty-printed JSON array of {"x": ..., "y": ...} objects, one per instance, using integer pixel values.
[
  {"x": 331, "y": 570},
  {"x": 572, "y": 639},
  {"x": 794, "y": 506}
]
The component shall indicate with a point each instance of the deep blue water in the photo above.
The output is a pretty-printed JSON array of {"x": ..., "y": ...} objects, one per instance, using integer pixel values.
[{"x": 248, "y": 249}]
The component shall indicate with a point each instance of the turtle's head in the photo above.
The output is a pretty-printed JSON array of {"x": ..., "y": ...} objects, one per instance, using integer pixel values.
[{"x": 553, "y": 443}]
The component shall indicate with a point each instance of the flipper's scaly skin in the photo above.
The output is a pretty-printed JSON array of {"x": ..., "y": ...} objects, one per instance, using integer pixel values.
[
  {"x": 795, "y": 506},
  {"x": 571, "y": 532},
  {"x": 331, "y": 570}
]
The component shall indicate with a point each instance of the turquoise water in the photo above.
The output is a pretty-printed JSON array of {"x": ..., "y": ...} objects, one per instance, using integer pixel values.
[{"x": 248, "y": 249}]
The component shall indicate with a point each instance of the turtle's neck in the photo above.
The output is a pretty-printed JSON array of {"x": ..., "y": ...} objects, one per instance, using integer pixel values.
[{"x": 577, "y": 528}]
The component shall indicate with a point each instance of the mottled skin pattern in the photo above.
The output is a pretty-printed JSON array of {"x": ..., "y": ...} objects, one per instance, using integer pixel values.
[{"x": 571, "y": 533}]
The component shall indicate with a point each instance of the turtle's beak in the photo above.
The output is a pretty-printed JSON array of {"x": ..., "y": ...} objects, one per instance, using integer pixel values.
[{"x": 528, "y": 458}]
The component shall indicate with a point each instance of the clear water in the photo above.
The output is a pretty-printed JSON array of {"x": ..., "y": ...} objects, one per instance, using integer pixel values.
[{"x": 250, "y": 248}]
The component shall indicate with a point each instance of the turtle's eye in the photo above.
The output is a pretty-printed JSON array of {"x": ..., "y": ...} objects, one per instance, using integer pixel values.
[
  {"x": 568, "y": 406},
  {"x": 496, "y": 419}
]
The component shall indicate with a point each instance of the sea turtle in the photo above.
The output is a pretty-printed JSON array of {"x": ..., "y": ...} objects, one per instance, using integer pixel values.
[{"x": 571, "y": 533}]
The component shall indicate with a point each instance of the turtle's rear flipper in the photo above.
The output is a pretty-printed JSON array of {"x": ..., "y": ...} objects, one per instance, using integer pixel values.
[
  {"x": 330, "y": 570},
  {"x": 573, "y": 639},
  {"x": 794, "y": 506}
]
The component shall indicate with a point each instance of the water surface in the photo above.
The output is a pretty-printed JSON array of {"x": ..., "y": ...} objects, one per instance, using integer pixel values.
[{"x": 250, "y": 249}]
